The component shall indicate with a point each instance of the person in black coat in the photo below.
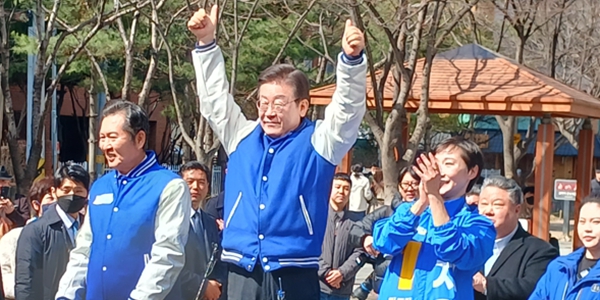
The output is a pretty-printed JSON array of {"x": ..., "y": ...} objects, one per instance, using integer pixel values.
[
  {"x": 361, "y": 232},
  {"x": 519, "y": 259},
  {"x": 214, "y": 207},
  {"x": 204, "y": 233},
  {"x": 44, "y": 245}
]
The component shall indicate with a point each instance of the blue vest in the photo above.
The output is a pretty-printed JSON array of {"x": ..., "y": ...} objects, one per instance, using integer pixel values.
[
  {"x": 276, "y": 201},
  {"x": 122, "y": 213}
]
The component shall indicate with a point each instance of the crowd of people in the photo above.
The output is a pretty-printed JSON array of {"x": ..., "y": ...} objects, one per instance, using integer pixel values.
[{"x": 286, "y": 226}]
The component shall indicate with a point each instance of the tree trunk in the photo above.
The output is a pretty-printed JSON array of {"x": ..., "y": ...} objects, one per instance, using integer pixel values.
[
  {"x": 389, "y": 161},
  {"x": 507, "y": 126},
  {"x": 93, "y": 116}
]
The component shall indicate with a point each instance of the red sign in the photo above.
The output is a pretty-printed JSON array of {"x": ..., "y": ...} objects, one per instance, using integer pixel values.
[{"x": 565, "y": 189}]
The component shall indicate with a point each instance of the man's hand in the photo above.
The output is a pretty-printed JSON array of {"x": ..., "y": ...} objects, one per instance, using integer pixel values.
[
  {"x": 353, "y": 41},
  {"x": 6, "y": 206},
  {"x": 368, "y": 246},
  {"x": 213, "y": 290},
  {"x": 204, "y": 26},
  {"x": 479, "y": 282},
  {"x": 334, "y": 278},
  {"x": 220, "y": 224}
]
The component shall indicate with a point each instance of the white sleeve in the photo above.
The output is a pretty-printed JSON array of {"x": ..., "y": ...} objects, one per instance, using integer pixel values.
[
  {"x": 170, "y": 234},
  {"x": 367, "y": 191},
  {"x": 8, "y": 250},
  {"x": 216, "y": 104},
  {"x": 72, "y": 283},
  {"x": 336, "y": 134}
]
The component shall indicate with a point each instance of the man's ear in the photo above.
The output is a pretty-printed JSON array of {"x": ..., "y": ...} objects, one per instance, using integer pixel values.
[
  {"x": 473, "y": 172},
  {"x": 303, "y": 106},
  {"x": 140, "y": 139}
]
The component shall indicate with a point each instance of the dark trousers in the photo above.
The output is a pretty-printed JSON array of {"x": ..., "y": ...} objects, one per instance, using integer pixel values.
[{"x": 297, "y": 283}]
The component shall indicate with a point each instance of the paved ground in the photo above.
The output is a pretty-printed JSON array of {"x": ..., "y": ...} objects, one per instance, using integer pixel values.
[{"x": 555, "y": 230}]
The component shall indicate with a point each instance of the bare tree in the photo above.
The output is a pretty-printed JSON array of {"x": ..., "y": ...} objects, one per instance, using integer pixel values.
[
  {"x": 46, "y": 56},
  {"x": 414, "y": 26},
  {"x": 128, "y": 43},
  {"x": 525, "y": 20}
]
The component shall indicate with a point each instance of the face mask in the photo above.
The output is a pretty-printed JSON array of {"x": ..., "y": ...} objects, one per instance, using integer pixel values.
[
  {"x": 71, "y": 203},
  {"x": 529, "y": 200}
]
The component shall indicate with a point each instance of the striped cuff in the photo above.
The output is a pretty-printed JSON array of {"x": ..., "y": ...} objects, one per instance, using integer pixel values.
[
  {"x": 352, "y": 60},
  {"x": 207, "y": 47}
]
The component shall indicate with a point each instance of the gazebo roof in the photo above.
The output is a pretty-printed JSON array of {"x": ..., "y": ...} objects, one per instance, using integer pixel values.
[{"x": 475, "y": 80}]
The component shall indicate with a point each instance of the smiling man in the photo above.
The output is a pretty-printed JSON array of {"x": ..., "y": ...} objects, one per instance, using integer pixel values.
[
  {"x": 519, "y": 259},
  {"x": 131, "y": 245},
  {"x": 280, "y": 167},
  {"x": 438, "y": 243}
]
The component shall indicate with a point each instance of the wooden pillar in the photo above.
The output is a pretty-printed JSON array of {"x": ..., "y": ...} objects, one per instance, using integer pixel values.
[
  {"x": 585, "y": 167},
  {"x": 344, "y": 166},
  {"x": 544, "y": 163}
]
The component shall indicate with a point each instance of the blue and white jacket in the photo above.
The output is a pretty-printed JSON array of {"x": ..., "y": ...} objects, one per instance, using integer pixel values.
[
  {"x": 131, "y": 244},
  {"x": 277, "y": 190},
  {"x": 433, "y": 262},
  {"x": 560, "y": 280}
]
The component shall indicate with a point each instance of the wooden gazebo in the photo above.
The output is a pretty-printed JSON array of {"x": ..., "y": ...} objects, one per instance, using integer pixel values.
[{"x": 474, "y": 80}]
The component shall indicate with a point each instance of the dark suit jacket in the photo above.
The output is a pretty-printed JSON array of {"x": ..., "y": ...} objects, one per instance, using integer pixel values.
[
  {"x": 518, "y": 268},
  {"x": 196, "y": 260},
  {"x": 214, "y": 206},
  {"x": 42, "y": 256}
]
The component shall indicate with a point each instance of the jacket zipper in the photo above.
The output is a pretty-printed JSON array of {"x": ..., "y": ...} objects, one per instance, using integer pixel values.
[
  {"x": 306, "y": 215},
  {"x": 235, "y": 205},
  {"x": 565, "y": 291}
]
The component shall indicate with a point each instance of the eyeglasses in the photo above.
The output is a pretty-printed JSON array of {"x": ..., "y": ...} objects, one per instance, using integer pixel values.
[
  {"x": 277, "y": 106},
  {"x": 406, "y": 185}
]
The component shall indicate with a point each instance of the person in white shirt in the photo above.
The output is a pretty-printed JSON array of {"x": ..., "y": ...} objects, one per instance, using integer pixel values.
[
  {"x": 361, "y": 194},
  {"x": 41, "y": 195},
  {"x": 519, "y": 259}
]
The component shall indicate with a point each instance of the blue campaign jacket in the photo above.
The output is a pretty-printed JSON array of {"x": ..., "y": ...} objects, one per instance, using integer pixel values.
[
  {"x": 558, "y": 283},
  {"x": 433, "y": 262},
  {"x": 122, "y": 215},
  {"x": 277, "y": 189},
  {"x": 282, "y": 223}
]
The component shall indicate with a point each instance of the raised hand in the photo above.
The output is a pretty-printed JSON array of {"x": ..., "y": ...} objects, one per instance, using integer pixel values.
[
  {"x": 353, "y": 41},
  {"x": 203, "y": 25},
  {"x": 428, "y": 170}
]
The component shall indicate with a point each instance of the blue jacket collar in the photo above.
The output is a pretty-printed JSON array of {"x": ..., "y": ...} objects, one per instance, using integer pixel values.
[
  {"x": 453, "y": 207},
  {"x": 142, "y": 168}
]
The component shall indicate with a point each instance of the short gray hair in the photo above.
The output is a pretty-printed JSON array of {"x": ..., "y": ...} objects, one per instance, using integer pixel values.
[{"x": 515, "y": 193}]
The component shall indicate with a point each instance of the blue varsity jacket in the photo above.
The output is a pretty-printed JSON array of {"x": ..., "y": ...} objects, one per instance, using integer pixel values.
[
  {"x": 277, "y": 190},
  {"x": 433, "y": 262}
]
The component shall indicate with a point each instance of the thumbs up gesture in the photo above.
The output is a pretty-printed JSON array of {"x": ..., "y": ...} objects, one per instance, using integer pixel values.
[
  {"x": 203, "y": 25},
  {"x": 353, "y": 41}
]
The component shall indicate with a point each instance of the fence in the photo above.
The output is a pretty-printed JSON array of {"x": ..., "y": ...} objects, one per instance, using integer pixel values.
[{"x": 216, "y": 176}]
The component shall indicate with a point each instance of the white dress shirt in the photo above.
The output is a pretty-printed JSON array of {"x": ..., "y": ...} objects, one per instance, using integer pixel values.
[
  {"x": 499, "y": 245},
  {"x": 68, "y": 221}
]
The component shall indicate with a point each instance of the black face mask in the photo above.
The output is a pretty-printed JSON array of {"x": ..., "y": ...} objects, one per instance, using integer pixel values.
[
  {"x": 71, "y": 203},
  {"x": 529, "y": 200}
]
